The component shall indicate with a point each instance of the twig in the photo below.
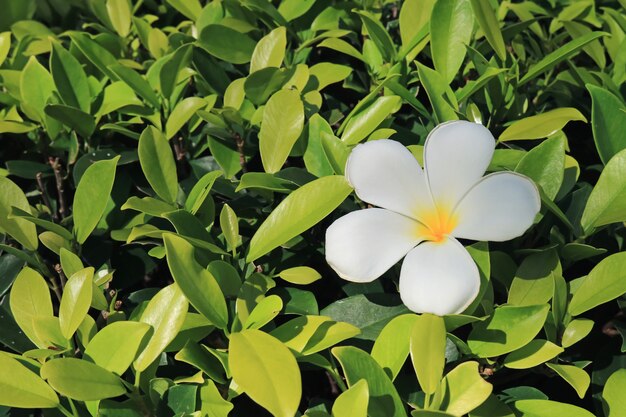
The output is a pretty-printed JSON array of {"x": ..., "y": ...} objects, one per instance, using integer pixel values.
[
  {"x": 59, "y": 270},
  {"x": 58, "y": 176},
  {"x": 242, "y": 156},
  {"x": 44, "y": 196}
]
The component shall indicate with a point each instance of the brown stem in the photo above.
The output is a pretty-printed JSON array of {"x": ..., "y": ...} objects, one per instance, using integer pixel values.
[
  {"x": 44, "y": 196},
  {"x": 242, "y": 157},
  {"x": 58, "y": 176},
  {"x": 62, "y": 277}
]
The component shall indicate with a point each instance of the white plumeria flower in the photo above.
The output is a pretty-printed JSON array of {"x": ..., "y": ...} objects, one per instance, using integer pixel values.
[{"x": 422, "y": 212}]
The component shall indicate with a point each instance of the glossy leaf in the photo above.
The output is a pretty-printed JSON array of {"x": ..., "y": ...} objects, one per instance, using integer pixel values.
[
  {"x": 76, "y": 301},
  {"x": 29, "y": 299},
  {"x": 353, "y": 402},
  {"x": 464, "y": 389},
  {"x": 576, "y": 377},
  {"x": 369, "y": 118},
  {"x": 533, "y": 354},
  {"x": 488, "y": 22},
  {"x": 20, "y": 387},
  {"x": 428, "y": 347},
  {"x": 19, "y": 229},
  {"x": 302, "y": 275},
  {"x": 226, "y": 43},
  {"x": 541, "y": 125},
  {"x": 270, "y": 50},
  {"x": 70, "y": 78},
  {"x": 157, "y": 163},
  {"x": 608, "y": 121}
]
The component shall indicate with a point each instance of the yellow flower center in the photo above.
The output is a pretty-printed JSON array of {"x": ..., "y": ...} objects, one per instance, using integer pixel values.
[{"x": 437, "y": 225}]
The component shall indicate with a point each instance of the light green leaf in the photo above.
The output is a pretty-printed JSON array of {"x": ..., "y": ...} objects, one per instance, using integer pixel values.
[
  {"x": 301, "y": 275},
  {"x": 36, "y": 87},
  {"x": 311, "y": 334},
  {"x": 613, "y": 394},
  {"x": 358, "y": 365},
  {"x": 379, "y": 36},
  {"x": 508, "y": 329},
  {"x": 115, "y": 346},
  {"x": 607, "y": 202},
  {"x": 200, "y": 191},
  {"x": 30, "y": 299},
  {"x": 439, "y": 93},
  {"x": 428, "y": 348},
  {"x": 393, "y": 344},
  {"x": 564, "y": 52},
  {"x": 229, "y": 223},
  {"x": 366, "y": 120},
  {"x": 195, "y": 282},
  {"x": 166, "y": 313},
  {"x": 546, "y": 408},
  {"x": 414, "y": 17},
  {"x": 120, "y": 14},
  {"x": 91, "y": 196},
  {"x": 283, "y": 121},
  {"x": 264, "y": 312},
  {"x": 22, "y": 388},
  {"x": 605, "y": 282},
  {"x": 98, "y": 55},
  {"x": 298, "y": 212},
  {"x": 575, "y": 331},
  {"x": 76, "y": 301},
  {"x": 81, "y": 380},
  {"x": 70, "y": 78},
  {"x": 541, "y": 125},
  {"x": 323, "y": 74},
  {"x": 83, "y": 123},
  {"x": 576, "y": 377},
  {"x": 5, "y": 46},
  {"x": 266, "y": 371},
  {"x": 534, "y": 280},
  {"x": 608, "y": 121},
  {"x": 191, "y": 9},
  {"x": 463, "y": 389},
  {"x": 227, "y": 44},
  {"x": 489, "y": 24},
  {"x": 353, "y": 402},
  {"x": 19, "y": 229},
  {"x": 157, "y": 163},
  {"x": 70, "y": 262},
  {"x": 270, "y": 50},
  {"x": 181, "y": 114},
  {"x": 545, "y": 165},
  {"x": 450, "y": 31},
  {"x": 533, "y": 354}
]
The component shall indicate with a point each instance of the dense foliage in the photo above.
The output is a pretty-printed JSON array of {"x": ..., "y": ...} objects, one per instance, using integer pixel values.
[{"x": 170, "y": 168}]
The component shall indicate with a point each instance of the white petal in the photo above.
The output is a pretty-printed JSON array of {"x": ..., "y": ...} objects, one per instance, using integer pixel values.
[
  {"x": 364, "y": 244},
  {"x": 456, "y": 155},
  {"x": 439, "y": 278},
  {"x": 500, "y": 207},
  {"x": 385, "y": 173}
]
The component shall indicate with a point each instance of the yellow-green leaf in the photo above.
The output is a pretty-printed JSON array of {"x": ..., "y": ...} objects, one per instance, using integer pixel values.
[
  {"x": 428, "y": 347},
  {"x": 76, "y": 301}
]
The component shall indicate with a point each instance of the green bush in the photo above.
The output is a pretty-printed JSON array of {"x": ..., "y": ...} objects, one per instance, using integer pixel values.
[{"x": 171, "y": 168}]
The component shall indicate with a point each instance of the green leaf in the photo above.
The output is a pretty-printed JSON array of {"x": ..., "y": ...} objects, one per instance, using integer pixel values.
[
  {"x": 36, "y": 87},
  {"x": 298, "y": 212},
  {"x": 270, "y": 50},
  {"x": 366, "y": 120},
  {"x": 541, "y": 125},
  {"x": 605, "y": 282},
  {"x": 191, "y": 9},
  {"x": 608, "y": 121},
  {"x": 508, "y": 329},
  {"x": 169, "y": 75},
  {"x": 564, "y": 52},
  {"x": 76, "y": 301},
  {"x": 534, "y": 280},
  {"x": 283, "y": 121},
  {"x": 30, "y": 299},
  {"x": 264, "y": 312},
  {"x": 135, "y": 81},
  {"x": 533, "y": 354},
  {"x": 439, "y": 93},
  {"x": 301, "y": 275},
  {"x": 266, "y": 371},
  {"x": 19, "y": 229},
  {"x": 414, "y": 18},
  {"x": 181, "y": 115},
  {"x": 200, "y": 191},
  {"x": 195, "y": 282},
  {"x": 5, "y": 46},
  {"x": 95, "y": 53},
  {"x": 323, "y": 74},
  {"x": 607, "y": 202},
  {"x": 229, "y": 223},
  {"x": 81, "y": 380},
  {"x": 92, "y": 194},
  {"x": 613, "y": 393},
  {"x": 392, "y": 345},
  {"x": 83, "y": 123},
  {"x": 545, "y": 165},
  {"x": 227, "y": 44},
  {"x": 22, "y": 388},
  {"x": 353, "y": 402},
  {"x": 546, "y": 408},
  {"x": 575, "y": 331},
  {"x": 157, "y": 163},
  {"x": 450, "y": 31},
  {"x": 310, "y": 334},
  {"x": 379, "y": 36},
  {"x": 428, "y": 347},
  {"x": 120, "y": 15},
  {"x": 464, "y": 389},
  {"x": 70, "y": 78},
  {"x": 489, "y": 24},
  {"x": 576, "y": 377},
  {"x": 212, "y": 403},
  {"x": 166, "y": 313},
  {"x": 46, "y": 224},
  {"x": 200, "y": 357},
  {"x": 115, "y": 347},
  {"x": 117, "y": 95},
  {"x": 358, "y": 365}
]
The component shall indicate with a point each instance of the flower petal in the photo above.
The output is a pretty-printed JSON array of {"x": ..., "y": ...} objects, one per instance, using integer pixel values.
[
  {"x": 364, "y": 244},
  {"x": 439, "y": 278},
  {"x": 456, "y": 155},
  {"x": 500, "y": 207},
  {"x": 385, "y": 173}
]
